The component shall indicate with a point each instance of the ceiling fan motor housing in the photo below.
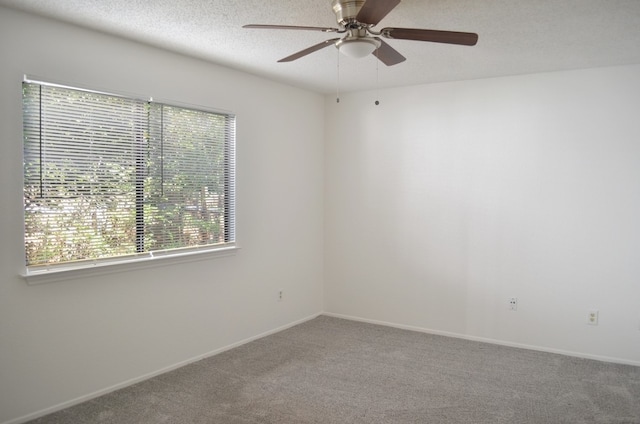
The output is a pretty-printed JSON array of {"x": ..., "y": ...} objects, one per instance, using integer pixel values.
[{"x": 346, "y": 10}]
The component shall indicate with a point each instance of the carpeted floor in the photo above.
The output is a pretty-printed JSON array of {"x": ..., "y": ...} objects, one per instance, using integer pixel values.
[{"x": 330, "y": 370}]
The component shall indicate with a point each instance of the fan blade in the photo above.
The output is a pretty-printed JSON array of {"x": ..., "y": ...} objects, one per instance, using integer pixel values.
[
  {"x": 449, "y": 37},
  {"x": 373, "y": 11},
  {"x": 305, "y": 28},
  {"x": 308, "y": 50},
  {"x": 387, "y": 54}
]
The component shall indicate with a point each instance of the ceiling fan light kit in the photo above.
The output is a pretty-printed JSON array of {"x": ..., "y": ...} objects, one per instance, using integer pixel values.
[
  {"x": 357, "y": 47},
  {"x": 356, "y": 19}
]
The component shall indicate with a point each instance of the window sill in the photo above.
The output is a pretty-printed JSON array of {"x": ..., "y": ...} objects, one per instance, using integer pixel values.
[{"x": 152, "y": 260}]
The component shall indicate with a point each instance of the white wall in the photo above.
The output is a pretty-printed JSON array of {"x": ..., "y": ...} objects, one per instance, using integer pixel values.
[
  {"x": 64, "y": 340},
  {"x": 445, "y": 200}
]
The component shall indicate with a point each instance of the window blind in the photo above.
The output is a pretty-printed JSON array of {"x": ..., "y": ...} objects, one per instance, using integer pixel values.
[{"x": 108, "y": 176}]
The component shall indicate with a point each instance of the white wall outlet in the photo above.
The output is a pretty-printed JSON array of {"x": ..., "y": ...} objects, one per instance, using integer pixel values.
[
  {"x": 280, "y": 295},
  {"x": 592, "y": 317},
  {"x": 513, "y": 303}
]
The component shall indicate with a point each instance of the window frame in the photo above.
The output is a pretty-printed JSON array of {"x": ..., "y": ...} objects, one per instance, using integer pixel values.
[{"x": 36, "y": 274}]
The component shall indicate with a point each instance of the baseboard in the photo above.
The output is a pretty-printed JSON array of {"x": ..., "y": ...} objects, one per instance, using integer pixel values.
[
  {"x": 486, "y": 340},
  {"x": 147, "y": 376}
]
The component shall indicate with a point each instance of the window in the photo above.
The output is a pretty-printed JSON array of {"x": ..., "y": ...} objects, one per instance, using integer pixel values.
[{"x": 109, "y": 178}]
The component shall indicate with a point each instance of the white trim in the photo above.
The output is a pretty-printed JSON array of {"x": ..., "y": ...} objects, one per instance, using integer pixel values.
[
  {"x": 487, "y": 340},
  {"x": 144, "y": 377},
  {"x": 148, "y": 260}
]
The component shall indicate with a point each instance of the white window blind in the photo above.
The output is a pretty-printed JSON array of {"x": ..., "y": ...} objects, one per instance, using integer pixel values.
[{"x": 109, "y": 177}]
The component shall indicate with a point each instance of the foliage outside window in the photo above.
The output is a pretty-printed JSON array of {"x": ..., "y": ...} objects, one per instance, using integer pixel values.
[{"x": 109, "y": 177}]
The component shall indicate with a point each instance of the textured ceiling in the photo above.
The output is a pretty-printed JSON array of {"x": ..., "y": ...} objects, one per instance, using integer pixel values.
[{"x": 516, "y": 36}]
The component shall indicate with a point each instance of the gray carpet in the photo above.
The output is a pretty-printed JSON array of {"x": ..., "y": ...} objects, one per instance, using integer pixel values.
[{"x": 330, "y": 370}]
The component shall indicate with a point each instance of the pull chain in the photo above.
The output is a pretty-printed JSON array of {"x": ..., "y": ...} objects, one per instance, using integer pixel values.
[
  {"x": 377, "y": 79},
  {"x": 338, "y": 79}
]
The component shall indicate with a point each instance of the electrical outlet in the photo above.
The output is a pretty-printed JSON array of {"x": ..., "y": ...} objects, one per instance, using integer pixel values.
[
  {"x": 513, "y": 303},
  {"x": 280, "y": 295},
  {"x": 592, "y": 317}
]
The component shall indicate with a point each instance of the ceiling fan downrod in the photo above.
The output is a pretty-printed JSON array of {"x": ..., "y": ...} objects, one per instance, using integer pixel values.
[{"x": 346, "y": 11}]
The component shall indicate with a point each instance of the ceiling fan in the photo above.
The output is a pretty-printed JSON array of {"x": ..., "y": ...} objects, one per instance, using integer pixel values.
[{"x": 356, "y": 19}]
